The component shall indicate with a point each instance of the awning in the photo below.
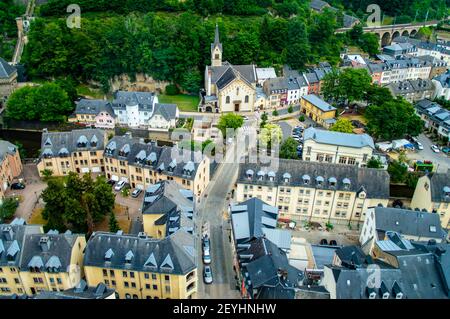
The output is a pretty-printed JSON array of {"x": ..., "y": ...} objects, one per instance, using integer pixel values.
[{"x": 284, "y": 220}]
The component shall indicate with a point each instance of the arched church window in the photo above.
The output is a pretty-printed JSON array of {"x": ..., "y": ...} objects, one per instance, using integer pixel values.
[
  {"x": 246, "y": 99},
  {"x": 228, "y": 99}
]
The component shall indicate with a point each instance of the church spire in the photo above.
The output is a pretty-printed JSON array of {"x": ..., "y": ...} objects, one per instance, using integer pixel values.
[{"x": 216, "y": 49}]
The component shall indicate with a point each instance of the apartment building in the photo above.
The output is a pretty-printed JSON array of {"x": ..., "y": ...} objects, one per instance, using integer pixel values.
[
  {"x": 79, "y": 151},
  {"x": 413, "y": 225},
  {"x": 141, "y": 165},
  {"x": 432, "y": 193},
  {"x": 32, "y": 261},
  {"x": 317, "y": 109},
  {"x": 314, "y": 192},
  {"x": 435, "y": 117},
  {"x": 167, "y": 208},
  {"x": 10, "y": 165},
  {"x": 98, "y": 113},
  {"x": 412, "y": 90},
  {"x": 12, "y": 241},
  {"x": 276, "y": 91},
  {"x": 51, "y": 261},
  {"x": 139, "y": 267},
  {"x": 336, "y": 147},
  {"x": 442, "y": 84}
]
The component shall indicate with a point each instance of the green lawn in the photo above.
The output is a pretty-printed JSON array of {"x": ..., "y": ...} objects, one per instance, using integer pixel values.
[
  {"x": 186, "y": 103},
  {"x": 85, "y": 90}
]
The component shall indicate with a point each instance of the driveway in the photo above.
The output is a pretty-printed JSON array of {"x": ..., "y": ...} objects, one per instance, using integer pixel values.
[
  {"x": 440, "y": 160},
  {"x": 134, "y": 205},
  {"x": 30, "y": 195}
]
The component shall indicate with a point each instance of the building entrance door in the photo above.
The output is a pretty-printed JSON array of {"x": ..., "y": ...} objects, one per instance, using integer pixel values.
[{"x": 236, "y": 107}]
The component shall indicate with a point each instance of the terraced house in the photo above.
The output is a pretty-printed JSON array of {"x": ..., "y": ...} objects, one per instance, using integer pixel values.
[
  {"x": 79, "y": 151},
  {"x": 139, "y": 267},
  {"x": 10, "y": 165},
  {"x": 32, "y": 261},
  {"x": 315, "y": 192},
  {"x": 140, "y": 164}
]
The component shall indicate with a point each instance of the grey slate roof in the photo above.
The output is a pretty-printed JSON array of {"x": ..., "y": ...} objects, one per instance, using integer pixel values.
[
  {"x": 93, "y": 107},
  {"x": 174, "y": 203},
  {"x": 408, "y": 222},
  {"x": 6, "y": 70},
  {"x": 5, "y": 149},
  {"x": 224, "y": 74},
  {"x": 443, "y": 79},
  {"x": 80, "y": 291},
  {"x": 375, "y": 182},
  {"x": 161, "y": 156},
  {"x": 12, "y": 240},
  {"x": 263, "y": 269},
  {"x": 144, "y": 100},
  {"x": 174, "y": 254},
  {"x": 438, "y": 181},
  {"x": 251, "y": 219},
  {"x": 276, "y": 85},
  {"x": 167, "y": 111},
  {"x": 54, "y": 143},
  {"x": 318, "y": 102},
  {"x": 60, "y": 246},
  {"x": 318, "y": 5},
  {"x": 338, "y": 138}
]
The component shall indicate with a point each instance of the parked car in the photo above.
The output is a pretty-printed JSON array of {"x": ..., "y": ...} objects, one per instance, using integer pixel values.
[
  {"x": 111, "y": 182},
  {"x": 207, "y": 275},
  {"x": 206, "y": 243},
  {"x": 120, "y": 185},
  {"x": 17, "y": 186},
  {"x": 136, "y": 193},
  {"x": 435, "y": 148},
  {"x": 446, "y": 150},
  {"x": 206, "y": 257},
  {"x": 419, "y": 146}
]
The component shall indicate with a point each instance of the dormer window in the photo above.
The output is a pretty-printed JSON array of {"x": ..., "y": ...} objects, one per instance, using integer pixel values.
[
  {"x": 47, "y": 153},
  {"x": 306, "y": 179},
  {"x": 286, "y": 177},
  {"x": 332, "y": 181},
  {"x": 124, "y": 150},
  {"x": 447, "y": 191},
  {"x": 140, "y": 157},
  {"x": 261, "y": 175},
  {"x": 109, "y": 254},
  {"x": 63, "y": 152},
  {"x": 249, "y": 174},
  {"x": 110, "y": 149},
  {"x": 94, "y": 141},
  {"x": 189, "y": 168},
  {"x": 151, "y": 159},
  {"x": 346, "y": 183},
  {"x": 319, "y": 180},
  {"x": 129, "y": 257},
  {"x": 172, "y": 165},
  {"x": 271, "y": 176},
  {"x": 82, "y": 141}
]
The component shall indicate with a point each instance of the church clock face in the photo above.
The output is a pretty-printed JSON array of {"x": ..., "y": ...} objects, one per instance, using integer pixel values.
[{"x": 426, "y": 186}]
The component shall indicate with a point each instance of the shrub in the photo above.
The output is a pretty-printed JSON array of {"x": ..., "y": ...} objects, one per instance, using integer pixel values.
[
  {"x": 301, "y": 118},
  {"x": 290, "y": 109},
  {"x": 8, "y": 209},
  {"x": 275, "y": 113},
  {"x": 172, "y": 89}
]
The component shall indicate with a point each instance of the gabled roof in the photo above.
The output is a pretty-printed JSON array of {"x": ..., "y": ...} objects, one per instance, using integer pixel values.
[
  {"x": 170, "y": 254},
  {"x": 246, "y": 72},
  {"x": 167, "y": 111},
  {"x": 94, "y": 107},
  {"x": 319, "y": 103},
  {"x": 6, "y": 70},
  {"x": 408, "y": 222},
  {"x": 338, "y": 138}
]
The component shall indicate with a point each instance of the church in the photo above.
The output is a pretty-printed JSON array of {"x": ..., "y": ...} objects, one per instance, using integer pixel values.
[{"x": 228, "y": 88}]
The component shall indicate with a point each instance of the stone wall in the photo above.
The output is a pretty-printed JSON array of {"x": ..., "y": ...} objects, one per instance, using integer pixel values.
[{"x": 142, "y": 83}]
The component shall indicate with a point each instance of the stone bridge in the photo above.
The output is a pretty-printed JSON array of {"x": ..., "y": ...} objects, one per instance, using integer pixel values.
[{"x": 386, "y": 33}]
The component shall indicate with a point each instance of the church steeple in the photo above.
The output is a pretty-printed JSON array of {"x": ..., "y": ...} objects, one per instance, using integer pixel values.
[{"x": 216, "y": 49}]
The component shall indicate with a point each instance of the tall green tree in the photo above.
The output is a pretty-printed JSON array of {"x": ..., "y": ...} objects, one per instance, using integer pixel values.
[
  {"x": 288, "y": 149},
  {"x": 342, "y": 125},
  {"x": 393, "y": 119},
  {"x": 229, "y": 121},
  {"x": 298, "y": 52}
]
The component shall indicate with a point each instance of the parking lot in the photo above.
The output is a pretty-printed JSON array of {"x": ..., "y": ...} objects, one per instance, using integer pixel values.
[{"x": 440, "y": 160}]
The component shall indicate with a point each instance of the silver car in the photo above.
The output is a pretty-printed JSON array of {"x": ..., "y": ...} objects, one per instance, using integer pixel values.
[{"x": 207, "y": 275}]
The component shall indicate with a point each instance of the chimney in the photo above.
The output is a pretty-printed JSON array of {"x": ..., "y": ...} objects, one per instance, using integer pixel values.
[
  {"x": 8, "y": 233},
  {"x": 44, "y": 242}
]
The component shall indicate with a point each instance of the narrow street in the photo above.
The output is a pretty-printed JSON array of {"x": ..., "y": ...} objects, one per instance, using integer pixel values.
[{"x": 211, "y": 209}]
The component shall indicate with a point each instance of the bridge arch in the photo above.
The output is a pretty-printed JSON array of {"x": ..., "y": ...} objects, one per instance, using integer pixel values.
[
  {"x": 385, "y": 39},
  {"x": 405, "y": 33},
  {"x": 395, "y": 34},
  {"x": 413, "y": 33}
]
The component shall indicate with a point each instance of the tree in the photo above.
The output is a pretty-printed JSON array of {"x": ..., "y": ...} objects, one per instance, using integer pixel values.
[
  {"x": 78, "y": 203},
  {"x": 393, "y": 119},
  {"x": 290, "y": 109},
  {"x": 8, "y": 209},
  {"x": 297, "y": 53},
  {"x": 271, "y": 133},
  {"x": 348, "y": 85},
  {"x": 113, "y": 224},
  {"x": 46, "y": 173},
  {"x": 229, "y": 121},
  {"x": 378, "y": 95},
  {"x": 398, "y": 171},
  {"x": 275, "y": 113},
  {"x": 47, "y": 102},
  {"x": 288, "y": 149},
  {"x": 264, "y": 118},
  {"x": 342, "y": 125},
  {"x": 374, "y": 163}
]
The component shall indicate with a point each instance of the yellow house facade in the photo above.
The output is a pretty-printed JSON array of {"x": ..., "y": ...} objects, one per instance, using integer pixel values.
[
  {"x": 432, "y": 193},
  {"x": 317, "y": 109},
  {"x": 78, "y": 151},
  {"x": 138, "y": 267},
  {"x": 315, "y": 192}
]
